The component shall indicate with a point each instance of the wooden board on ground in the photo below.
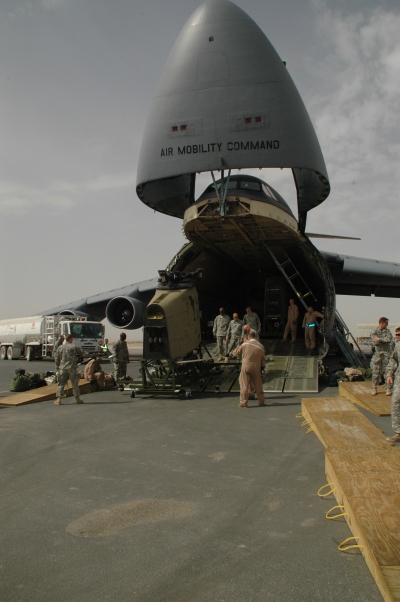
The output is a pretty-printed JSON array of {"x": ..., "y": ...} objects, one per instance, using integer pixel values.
[
  {"x": 360, "y": 393},
  {"x": 367, "y": 485},
  {"x": 339, "y": 425},
  {"x": 43, "y": 394},
  {"x": 363, "y": 472}
]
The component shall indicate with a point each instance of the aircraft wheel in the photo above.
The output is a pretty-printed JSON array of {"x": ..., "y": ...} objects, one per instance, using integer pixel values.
[
  {"x": 29, "y": 354},
  {"x": 9, "y": 352},
  {"x": 3, "y": 352},
  {"x": 133, "y": 394}
]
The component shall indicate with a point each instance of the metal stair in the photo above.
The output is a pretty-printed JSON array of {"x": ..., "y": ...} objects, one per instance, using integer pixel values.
[
  {"x": 343, "y": 334},
  {"x": 48, "y": 335},
  {"x": 291, "y": 274}
]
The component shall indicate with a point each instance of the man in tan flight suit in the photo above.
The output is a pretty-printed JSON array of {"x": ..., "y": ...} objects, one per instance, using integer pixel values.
[
  {"x": 291, "y": 325},
  {"x": 310, "y": 324},
  {"x": 253, "y": 359}
]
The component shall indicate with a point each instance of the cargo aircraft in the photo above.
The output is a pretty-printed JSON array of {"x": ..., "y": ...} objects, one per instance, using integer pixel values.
[{"x": 226, "y": 102}]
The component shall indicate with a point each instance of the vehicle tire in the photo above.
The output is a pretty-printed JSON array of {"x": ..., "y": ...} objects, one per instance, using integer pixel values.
[
  {"x": 133, "y": 394},
  {"x": 29, "y": 354},
  {"x": 9, "y": 353},
  {"x": 3, "y": 352}
]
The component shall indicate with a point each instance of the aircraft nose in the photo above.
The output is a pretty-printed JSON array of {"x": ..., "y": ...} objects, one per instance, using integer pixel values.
[{"x": 225, "y": 101}]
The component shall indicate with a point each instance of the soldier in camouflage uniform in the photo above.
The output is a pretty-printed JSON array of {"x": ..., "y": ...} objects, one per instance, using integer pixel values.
[
  {"x": 56, "y": 346},
  {"x": 393, "y": 369},
  {"x": 221, "y": 325},
  {"x": 251, "y": 319},
  {"x": 120, "y": 357},
  {"x": 67, "y": 358},
  {"x": 234, "y": 334},
  {"x": 382, "y": 340}
]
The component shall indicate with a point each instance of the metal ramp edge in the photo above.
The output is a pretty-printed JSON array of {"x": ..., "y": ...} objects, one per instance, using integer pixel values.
[{"x": 294, "y": 374}]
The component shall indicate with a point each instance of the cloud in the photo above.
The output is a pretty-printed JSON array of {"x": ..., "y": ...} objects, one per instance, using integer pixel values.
[
  {"x": 357, "y": 116},
  {"x": 51, "y": 4},
  {"x": 18, "y": 198}
]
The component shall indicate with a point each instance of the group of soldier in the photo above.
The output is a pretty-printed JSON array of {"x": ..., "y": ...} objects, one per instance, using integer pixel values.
[
  {"x": 241, "y": 337},
  {"x": 385, "y": 363},
  {"x": 68, "y": 356},
  {"x": 230, "y": 333}
]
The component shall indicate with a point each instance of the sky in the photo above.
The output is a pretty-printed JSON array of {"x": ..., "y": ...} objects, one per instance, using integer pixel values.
[{"x": 77, "y": 79}]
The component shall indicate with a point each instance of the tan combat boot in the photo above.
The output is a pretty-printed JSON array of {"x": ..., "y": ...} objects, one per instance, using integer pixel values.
[
  {"x": 394, "y": 439},
  {"x": 388, "y": 391},
  {"x": 78, "y": 400},
  {"x": 374, "y": 390},
  {"x": 57, "y": 401}
]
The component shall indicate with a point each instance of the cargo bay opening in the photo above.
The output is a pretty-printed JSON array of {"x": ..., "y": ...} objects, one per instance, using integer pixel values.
[{"x": 252, "y": 255}]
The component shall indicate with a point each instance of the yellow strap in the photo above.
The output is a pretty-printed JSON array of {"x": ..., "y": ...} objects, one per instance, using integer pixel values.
[
  {"x": 323, "y": 487},
  {"x": 329, "y": 517},
  {"x": 344, "y": 549}
]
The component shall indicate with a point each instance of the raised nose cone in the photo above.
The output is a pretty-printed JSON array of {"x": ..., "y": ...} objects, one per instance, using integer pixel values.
[{"x": 225, "y": 100}]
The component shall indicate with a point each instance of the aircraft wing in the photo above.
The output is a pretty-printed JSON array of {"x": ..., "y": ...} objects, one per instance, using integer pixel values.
[
  {"x": 123, "y": 307},
  {"x": 364, "y": 277}
]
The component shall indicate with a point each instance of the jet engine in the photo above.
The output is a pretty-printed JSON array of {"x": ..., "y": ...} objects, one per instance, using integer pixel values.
[{"x": 125, "y": 312}]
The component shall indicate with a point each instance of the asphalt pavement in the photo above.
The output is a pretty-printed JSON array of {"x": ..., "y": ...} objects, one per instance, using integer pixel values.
[{"x": 168, "y": 500}]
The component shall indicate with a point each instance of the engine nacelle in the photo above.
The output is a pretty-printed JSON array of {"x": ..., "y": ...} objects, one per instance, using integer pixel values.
[
  {"x": 125, "y": 312},
  {"x": 75, "y": 312}
]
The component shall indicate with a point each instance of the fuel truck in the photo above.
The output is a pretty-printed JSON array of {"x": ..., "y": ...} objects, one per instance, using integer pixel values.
[{"x": 34, "y": 337}]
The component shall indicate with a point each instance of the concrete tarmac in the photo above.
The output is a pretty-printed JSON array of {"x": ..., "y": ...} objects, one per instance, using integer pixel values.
[{"x": 166, "y": 500}]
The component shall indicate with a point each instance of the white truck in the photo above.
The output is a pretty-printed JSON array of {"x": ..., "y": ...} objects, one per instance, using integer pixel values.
[{"x": 34, "y": 337}]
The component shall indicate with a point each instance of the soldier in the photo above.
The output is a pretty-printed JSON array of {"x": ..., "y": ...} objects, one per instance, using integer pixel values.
[
  {"x": 253, "y": 359},
  {"x": 291, "y": 325},
  {"x": 120, "y": 357},
  {"x": 252, "y": 319},
  {"x": 67, "y": 357},
  {"x": 310, "y": 324},
  {"x": 221, "y": 325},
  {"x": 93, "y": 373},
  {"x": 104, "y": 346},
  {"x": 234, "y": 334},
  {"x": 56, "y": 346},
  {"x": 393, "y": 369},
  {"x": 382, "y": 340}
]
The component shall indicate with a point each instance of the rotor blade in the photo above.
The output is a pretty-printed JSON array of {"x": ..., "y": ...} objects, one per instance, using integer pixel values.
[{"x": 314, "y": 235}]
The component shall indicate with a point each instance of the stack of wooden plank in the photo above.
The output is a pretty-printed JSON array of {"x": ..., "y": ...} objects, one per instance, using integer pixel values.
[{"x": 364, "y": 472}]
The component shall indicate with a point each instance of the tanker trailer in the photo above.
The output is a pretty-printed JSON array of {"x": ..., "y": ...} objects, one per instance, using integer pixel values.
[{"x": 34, "y": 337}]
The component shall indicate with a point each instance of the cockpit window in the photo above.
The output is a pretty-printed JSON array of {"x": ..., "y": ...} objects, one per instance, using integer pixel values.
[
  {"x": 250, "y": 185},
  {"x": 269, "y": 192},
  {"x": 231, "y": 186}
]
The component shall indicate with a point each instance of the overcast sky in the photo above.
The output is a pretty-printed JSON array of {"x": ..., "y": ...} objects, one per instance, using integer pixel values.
[{"x": 77, "y": 78}]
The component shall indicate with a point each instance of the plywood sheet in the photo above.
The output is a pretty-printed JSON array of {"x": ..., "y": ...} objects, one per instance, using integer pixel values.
[
  {"x": 360, "y": 394},
  {"x": 344, "y": 428},
  {"x": 368, "y": 486},
  {"x": 43, "y": 394}
]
